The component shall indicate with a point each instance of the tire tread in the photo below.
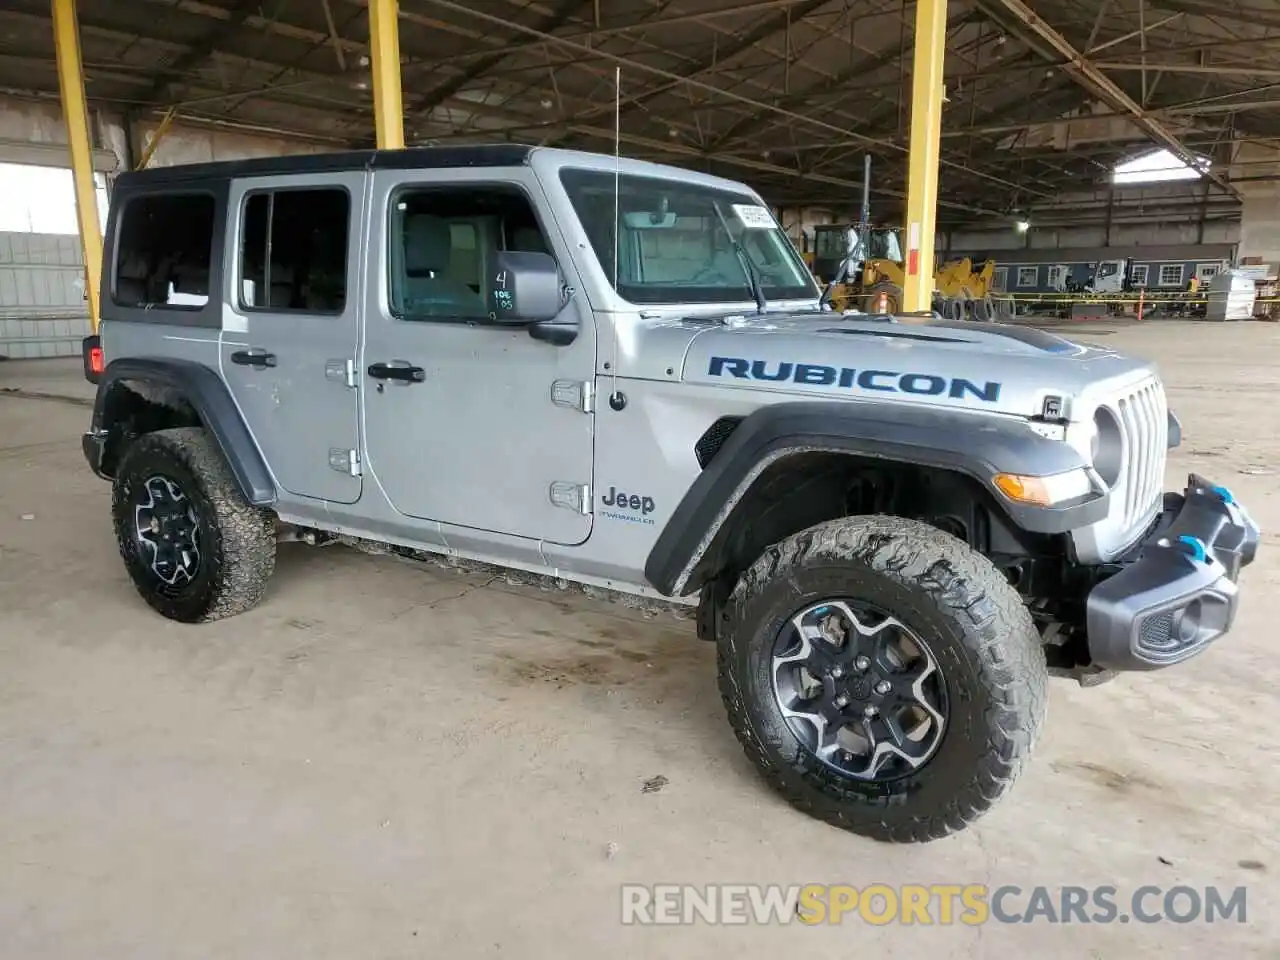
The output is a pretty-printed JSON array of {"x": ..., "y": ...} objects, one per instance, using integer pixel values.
[
  {"x": 245, "y": 545},
  {"x": 1002, "y": 637}
]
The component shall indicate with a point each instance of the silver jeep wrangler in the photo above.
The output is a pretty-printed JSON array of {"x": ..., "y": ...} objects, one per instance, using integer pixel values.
[{"x": 621, "y": 374}]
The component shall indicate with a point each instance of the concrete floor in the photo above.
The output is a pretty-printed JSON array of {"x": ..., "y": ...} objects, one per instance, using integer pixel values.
[
  {"x": 390, "y": 761},
  {"x": 62, "y": 378}
]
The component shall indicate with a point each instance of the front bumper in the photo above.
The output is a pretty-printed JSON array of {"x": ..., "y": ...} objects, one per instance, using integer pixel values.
[{"x": 1179, "y": 594}]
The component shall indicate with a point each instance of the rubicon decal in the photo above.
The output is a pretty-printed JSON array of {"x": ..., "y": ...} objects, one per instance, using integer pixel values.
[{"x": 849, "y": 378}]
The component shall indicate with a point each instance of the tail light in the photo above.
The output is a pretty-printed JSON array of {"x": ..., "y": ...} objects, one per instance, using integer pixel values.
[{"x": 95, "y": 360}]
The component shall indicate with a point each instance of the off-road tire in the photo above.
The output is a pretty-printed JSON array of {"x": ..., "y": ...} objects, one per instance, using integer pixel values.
[
  {"x": 978, "y": 629},
  {"x": 237, "y": 540}
]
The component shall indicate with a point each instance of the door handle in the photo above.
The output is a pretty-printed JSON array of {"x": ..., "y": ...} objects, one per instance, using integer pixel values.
[
  {"x": 254, "y": 358},
  {"x": 397, "y": 370}
]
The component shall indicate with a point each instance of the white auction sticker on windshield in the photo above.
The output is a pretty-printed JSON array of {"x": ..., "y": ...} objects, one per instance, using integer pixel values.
[{"x": 754, "y": 217}]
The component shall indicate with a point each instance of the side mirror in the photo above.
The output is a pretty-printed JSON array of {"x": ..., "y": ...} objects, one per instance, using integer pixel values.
[{"x": 526, "y": 290}]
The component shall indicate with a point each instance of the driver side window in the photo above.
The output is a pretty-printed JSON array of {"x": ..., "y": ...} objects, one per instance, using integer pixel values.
[{"x": 442, "y": 244}]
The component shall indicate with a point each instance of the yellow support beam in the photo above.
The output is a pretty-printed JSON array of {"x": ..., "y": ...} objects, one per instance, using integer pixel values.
[
  {"x": 924, "y": 159},
  {"x": 154, "y": 143},
  {"x": 384, "y": 49},
  {"x": 75, "y": 112}
]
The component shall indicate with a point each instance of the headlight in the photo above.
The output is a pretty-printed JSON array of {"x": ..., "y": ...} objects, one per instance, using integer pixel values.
[{"x": 1044, "y": 491}]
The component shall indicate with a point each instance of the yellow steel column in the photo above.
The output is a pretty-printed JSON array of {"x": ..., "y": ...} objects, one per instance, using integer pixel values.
[
  {"x": 926, "y": 129},
  {"x": 384, "y": 47},
  {"x": 66, "y": 40}
]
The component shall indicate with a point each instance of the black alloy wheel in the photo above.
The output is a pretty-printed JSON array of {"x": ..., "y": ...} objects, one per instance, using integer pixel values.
[{"x": 861, "y": 691}]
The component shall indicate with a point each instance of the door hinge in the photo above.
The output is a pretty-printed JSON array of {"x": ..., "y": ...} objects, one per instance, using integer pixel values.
[
  {"x": 345, "y": 461},
  {"x": 575, "y": 394},
  {"x": 342, "y": 371},
  {"x": 571, "y": 496}
]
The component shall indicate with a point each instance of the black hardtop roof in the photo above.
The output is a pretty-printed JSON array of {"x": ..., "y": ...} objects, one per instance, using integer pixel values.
[{"x": 484, "y": 155}]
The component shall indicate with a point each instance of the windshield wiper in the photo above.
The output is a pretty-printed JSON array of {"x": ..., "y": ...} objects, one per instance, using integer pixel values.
[
  {"x": 753, "y": 277},
  {"x": 754, "y": 281}
]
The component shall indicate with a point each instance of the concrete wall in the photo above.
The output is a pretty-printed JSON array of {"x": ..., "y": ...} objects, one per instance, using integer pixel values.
[
  {"x": 1140, "y": 215},
  {"x": 199, "y": 145},
  {"x": 1260, "y": 215},
  {"x": 34, "y": 122},
  {"x": 1122, "y": 235},
  {"x": 42, "y": 306},
  {"x": 799, "y": 223}
]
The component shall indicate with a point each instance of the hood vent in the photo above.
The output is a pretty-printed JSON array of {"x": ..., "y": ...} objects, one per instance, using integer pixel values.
[{"x": 893, "y": 334}]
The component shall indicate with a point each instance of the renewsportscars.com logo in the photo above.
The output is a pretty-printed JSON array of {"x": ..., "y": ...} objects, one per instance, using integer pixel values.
[{"x": 928, "y": 904}]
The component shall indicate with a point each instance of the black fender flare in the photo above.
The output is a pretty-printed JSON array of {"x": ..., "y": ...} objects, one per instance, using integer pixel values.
[
  {"x": 202, "y": 388},
  {"x": 976, "y": 445}
]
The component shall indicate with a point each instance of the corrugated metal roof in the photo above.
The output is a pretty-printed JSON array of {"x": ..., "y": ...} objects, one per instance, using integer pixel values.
[{"x": 787, "y": 94}]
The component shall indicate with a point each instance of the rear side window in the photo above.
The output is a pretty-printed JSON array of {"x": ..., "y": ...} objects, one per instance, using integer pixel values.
[
  {"x": 293, "y": 251},
  {"x": 165, "y": 250}
]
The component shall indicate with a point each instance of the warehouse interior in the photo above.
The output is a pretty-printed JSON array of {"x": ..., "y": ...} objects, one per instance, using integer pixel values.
[
  {"x": 1040, "y": 106},
  {"x": 317, "y": 779}
]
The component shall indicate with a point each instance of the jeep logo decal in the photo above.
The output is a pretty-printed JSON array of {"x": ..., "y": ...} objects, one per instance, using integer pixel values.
[
  {"x": 627, "y": 506},
  {"x": 884, "y": 381}
]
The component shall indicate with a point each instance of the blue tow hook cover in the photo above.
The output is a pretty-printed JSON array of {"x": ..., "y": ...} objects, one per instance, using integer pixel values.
[{"x": 1196, "y": 545}]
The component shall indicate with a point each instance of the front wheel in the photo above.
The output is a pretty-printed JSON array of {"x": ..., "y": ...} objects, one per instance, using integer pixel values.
[
  {"x": 193, "y": 547},
  {"x": 883, "y": 677}
]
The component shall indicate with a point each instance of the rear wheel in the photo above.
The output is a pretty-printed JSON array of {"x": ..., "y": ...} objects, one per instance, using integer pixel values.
[
  {"x": 193, "y": 547},
  {"x": 883, "y": 677}
]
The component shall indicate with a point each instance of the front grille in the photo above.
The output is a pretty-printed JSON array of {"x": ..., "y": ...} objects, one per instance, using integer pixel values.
[{"x": 1144, "y": 421}]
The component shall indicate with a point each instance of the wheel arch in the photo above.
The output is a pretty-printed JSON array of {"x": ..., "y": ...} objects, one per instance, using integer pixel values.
[
  {"x": 140, "y": 395},
  {"x": 807, "y": 454}
]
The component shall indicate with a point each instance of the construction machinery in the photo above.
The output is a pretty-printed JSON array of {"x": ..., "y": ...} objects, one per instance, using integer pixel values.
[{"x": 863, "y": 269}]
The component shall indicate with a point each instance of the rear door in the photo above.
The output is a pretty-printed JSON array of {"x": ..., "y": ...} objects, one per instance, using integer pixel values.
[{"x": 291, "y": 325}]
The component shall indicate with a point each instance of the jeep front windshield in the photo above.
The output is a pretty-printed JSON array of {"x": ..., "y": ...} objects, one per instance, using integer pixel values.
[{"x": 676, "y": 242}]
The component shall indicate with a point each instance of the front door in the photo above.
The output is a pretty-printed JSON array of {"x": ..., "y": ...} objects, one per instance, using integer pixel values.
[
  {"x": 291, "y": 326},
  {"x": 466, "y": 423}
]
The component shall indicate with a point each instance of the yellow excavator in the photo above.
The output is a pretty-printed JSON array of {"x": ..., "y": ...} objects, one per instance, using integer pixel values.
[{"x": 863, "y": 269}]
